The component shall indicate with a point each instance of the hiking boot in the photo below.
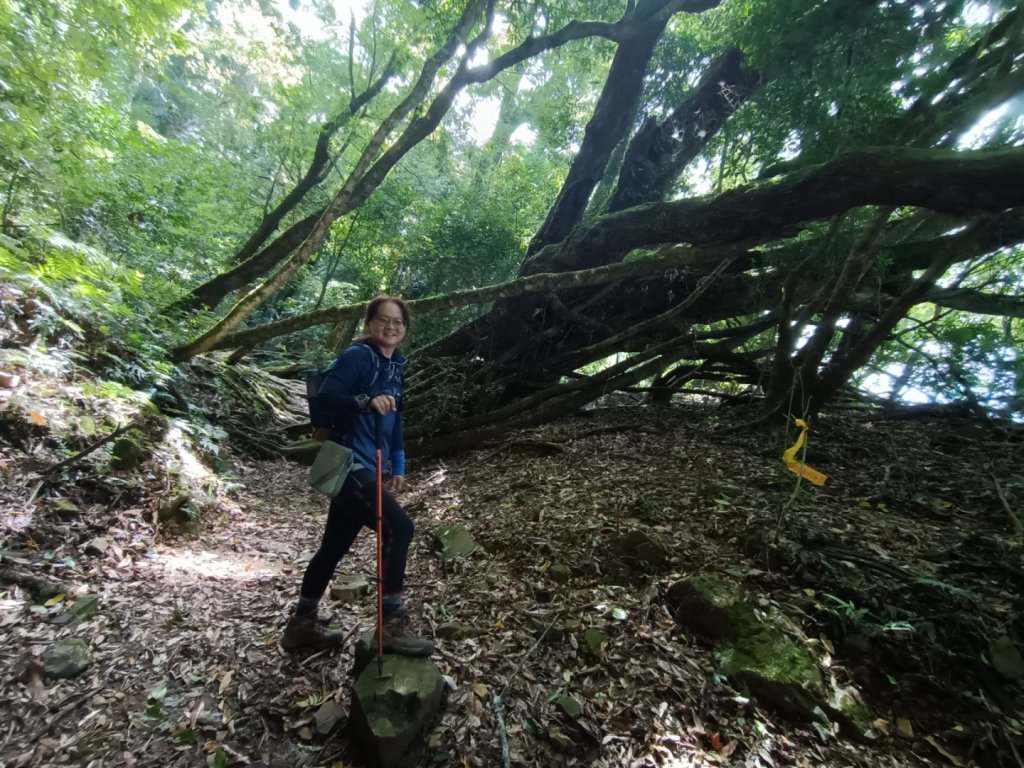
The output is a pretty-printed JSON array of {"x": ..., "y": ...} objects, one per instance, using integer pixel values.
[
  {"x": 399, "y": 637},
  {"x": 310, "y": 632}
]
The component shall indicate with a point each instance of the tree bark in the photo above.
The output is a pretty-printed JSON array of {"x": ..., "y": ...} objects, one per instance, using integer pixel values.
[
  {"x": 611, "y": 121},
  {"x": 839, "y": 370},
  {"x": 214, "y": 290},
  {"x": 667, "y": 259},
  {"x": 977, "y": 302},
  {"x": 951, "y": 182}
]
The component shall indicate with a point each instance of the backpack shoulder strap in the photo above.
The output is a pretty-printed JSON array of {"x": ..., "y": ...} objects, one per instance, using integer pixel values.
[{"x": 376, "y": 366}]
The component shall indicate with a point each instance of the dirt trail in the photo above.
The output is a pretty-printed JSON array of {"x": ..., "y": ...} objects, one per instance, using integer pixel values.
[{"x": 186, "y": 668}]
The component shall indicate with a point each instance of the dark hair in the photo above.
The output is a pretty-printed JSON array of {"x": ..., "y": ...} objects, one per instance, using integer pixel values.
[{"x": 374, "y": 306}]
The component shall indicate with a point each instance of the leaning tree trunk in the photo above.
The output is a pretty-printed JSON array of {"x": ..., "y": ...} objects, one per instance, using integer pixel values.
[
  {"x": 510, "y": 367},
  {"x": 252, "y": 260}
]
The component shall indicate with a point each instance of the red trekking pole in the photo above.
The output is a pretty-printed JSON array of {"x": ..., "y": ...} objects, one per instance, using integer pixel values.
[{"x": 380, "y": 552}]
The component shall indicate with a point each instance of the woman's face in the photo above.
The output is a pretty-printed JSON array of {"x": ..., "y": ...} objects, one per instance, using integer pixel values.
[{"x": 387, "y": 328}]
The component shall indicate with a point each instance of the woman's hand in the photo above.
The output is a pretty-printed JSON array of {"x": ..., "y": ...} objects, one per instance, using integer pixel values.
[
  {"x": 383, "y": 403},
  {"x": 397, "y": 483}
]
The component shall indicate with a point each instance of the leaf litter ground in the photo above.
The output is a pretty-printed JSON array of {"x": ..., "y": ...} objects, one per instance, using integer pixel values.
[{"x": 898, "y": 573}]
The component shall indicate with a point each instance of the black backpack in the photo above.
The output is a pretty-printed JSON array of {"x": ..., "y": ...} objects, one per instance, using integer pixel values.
[{"x": 319, "y": 417}]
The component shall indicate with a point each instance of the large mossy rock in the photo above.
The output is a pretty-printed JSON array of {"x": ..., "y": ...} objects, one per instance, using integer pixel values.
[
  {"x": 1006, "y": 657},
  {"x": 350, "y": 589},
  {"x": 849, "y": 708},
  {"x": 778, "y": 671},
  {"x": 130, "y": 451},
  {"x": 391, "y": 710},
  {"x": 754, "y": 651},
  {"x": 640, "y": 552}
]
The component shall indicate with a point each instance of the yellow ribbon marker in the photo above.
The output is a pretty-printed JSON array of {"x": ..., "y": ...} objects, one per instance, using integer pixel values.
[{"x": 789, "y": 456}]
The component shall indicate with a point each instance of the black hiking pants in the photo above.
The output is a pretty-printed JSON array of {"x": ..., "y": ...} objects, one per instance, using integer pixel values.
[{"x": 354, "y": 507}]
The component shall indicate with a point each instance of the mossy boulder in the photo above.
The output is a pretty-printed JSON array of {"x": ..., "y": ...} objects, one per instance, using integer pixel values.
[
  {"x": 83, "y": 609},
  {"x": 777, "y": 670},
  {"x": 640, "y": 552},
  {"x": 849, "y": 709},
  {"x": 560, "y": 573},
  {"x": 350, "y": 589},
  {"x": 753, "y": 649},
  {"x": 67, "y": 658},
  {"x": 705, "y": 605},
  {"x": 130, "y": 450},
  {"x": 1006, "y": 657}
]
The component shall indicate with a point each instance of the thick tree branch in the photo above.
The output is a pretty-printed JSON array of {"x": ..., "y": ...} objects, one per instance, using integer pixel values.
[
  {"x": 212, "y": 292},
  {"x": 977, "y": 302},
  {"x": 250, "y": 264},
  {"x": 346, "y": 199},
  {"x": 840, "y": 369},
  {"x": 608, "y": 125},
  {"x": 669, "y": 258},
  {"x": 858, "y": 262},
  {"x": 949, "y": 181},
  {"x": 658, "y": 153}
]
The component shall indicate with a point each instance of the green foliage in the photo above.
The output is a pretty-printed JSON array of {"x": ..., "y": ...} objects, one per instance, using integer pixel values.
[
  {"x": 857, "y": 619},
  {"x": 87, "y": 305},
  {"x": 943, "y": 355},
  {"x": 837, "y": 74},
  {"x": 64, "y": 68}
]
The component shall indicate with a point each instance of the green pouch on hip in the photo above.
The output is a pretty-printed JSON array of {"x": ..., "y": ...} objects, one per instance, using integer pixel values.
[{"x": 330, "y": 468}]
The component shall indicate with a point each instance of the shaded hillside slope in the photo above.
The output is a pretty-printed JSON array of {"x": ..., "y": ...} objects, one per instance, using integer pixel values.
[{"x": 900, "y": 572}]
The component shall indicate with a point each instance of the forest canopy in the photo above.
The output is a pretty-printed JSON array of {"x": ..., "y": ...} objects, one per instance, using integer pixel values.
[{"x": 791, "y": 204}]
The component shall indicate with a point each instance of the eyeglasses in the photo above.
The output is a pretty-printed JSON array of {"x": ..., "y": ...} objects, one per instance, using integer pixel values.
[{"x": 390, "y": 322}]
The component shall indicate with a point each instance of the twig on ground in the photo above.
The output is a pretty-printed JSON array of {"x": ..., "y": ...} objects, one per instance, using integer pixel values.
[
  {"x": 890, "y": 569},
  {"x": 618, "y": 428},
  {"x": 1015, "y": 521},
  {"x": 545, "y": 446},
  {"x": 530, "y": 652},
  {"x": 69, "y": 704},
  {"x": 10, "y": 732},
  {"x": 498, "y": 706},
  {"x": 82, "y": 454}
]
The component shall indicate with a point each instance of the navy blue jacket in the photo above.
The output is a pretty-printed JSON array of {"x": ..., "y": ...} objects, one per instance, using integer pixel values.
[{"x": 363, "y": 370}]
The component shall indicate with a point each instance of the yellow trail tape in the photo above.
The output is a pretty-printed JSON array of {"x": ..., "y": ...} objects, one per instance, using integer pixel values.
[{"x": 789, "y": 456}]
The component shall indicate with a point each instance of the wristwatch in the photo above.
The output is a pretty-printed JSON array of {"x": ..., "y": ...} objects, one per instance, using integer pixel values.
[{"x": 362, "y": 401}]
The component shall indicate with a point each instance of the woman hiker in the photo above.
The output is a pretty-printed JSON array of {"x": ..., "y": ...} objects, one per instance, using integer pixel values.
[{"x": 364, "y": 384}]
